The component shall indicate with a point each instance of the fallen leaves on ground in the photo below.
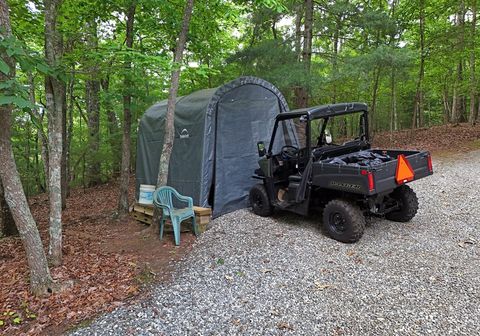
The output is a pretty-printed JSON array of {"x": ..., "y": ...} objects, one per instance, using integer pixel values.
[
  {"x": 461, "y": 137},
  {"x": 102, "y": 263}
]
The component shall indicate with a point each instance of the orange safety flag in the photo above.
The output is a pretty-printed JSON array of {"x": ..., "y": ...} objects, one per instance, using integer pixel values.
[{"x": 404, "y": 170}]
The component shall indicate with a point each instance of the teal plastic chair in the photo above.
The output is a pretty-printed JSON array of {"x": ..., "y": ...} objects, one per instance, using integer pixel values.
[{"x": 163, "y": 198}]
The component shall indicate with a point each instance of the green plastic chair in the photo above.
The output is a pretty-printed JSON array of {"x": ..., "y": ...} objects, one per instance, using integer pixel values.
[{"x": 163, "y": 198}]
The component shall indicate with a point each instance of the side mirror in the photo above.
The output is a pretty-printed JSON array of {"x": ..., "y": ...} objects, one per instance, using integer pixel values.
[
  {"x": 261, "y": 148},
  {"x": 328, "y": 137}
]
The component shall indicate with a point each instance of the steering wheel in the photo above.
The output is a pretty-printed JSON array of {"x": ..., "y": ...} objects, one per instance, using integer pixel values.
[{"x": 289, "y": 152}]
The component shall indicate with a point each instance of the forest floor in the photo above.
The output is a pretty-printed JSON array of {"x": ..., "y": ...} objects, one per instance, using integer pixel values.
[{"x": 112, "y": 263}]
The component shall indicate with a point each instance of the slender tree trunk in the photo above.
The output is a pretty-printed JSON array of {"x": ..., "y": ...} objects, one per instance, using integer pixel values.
[
  {"x": 393, "y": 84},
  {"x": 308, "y": 36},
  {"x": 63, "y": 157},
  {"x": 42, "y": 137},
  {"x": 336, "y": 36},
  {"x": 55, "y": 101},
  {"x": 393, "y": 98},
  {"x": 112, "y": 125},
  {"x": 172, "y": 98},
  {"x": 40, "y": 279},
  {"x": 373, "y": 108},
  {"x": 127, "y": 115},
  {"x": 92, "y": 98},
  {"x": 71, "y": 107},
  {"x": 454, "y": 115},
  {"x": 458, "y": 107},
  {"x": 298, "y": 30},
  {"x": 473, "y": 83},
  {"x": 418, "y": 103},
  {"x": 301, "y": 92}
]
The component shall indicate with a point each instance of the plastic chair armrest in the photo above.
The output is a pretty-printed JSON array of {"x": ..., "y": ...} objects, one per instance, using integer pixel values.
[{"x": 187, "y": 199}]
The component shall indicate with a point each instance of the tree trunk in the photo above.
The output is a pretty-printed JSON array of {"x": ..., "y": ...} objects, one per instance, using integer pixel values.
[
  {"x": 172, "y": 98},
  {"x": 298, "y": 30},
  {"x": 373, "y": 108},
  {"x": 112, "y": 126},
  {"x": 127, "y": 115},
  {"x": 393, "y": 83},
  {"x": 7, "y": 224},
  {"x": 63, "y": 157},
  {"x": 92, "y": 98},
  {"x": 418, "y": 103},
  {"x": 301, "y": 92},
  {"x": 393, "y": 98},
  {"x": 40, "y": 279},
  {"x": 55, "y": 102},
  {"x": 71, "y": 107},
  {"x": 38, "y": 115},
  {"x": 308, "y": 36},
  {"x": 459, "y": 98},
  {"x": 336, "y": 36},
  {"x": 473, "y": 86}
]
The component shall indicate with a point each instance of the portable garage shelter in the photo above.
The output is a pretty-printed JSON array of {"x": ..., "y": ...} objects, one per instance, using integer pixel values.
[{"x": 215, "y": 147}]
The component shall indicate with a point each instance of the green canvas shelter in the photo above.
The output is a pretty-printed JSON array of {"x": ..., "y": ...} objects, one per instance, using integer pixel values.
[{"x": 215, "y": 147}]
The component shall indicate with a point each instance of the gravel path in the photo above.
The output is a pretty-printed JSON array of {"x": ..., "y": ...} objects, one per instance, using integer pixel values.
[{"x": 249, "y": 275}]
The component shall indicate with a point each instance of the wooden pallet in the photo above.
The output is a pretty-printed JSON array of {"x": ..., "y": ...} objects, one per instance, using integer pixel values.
[{"x": 144, "y": 214}]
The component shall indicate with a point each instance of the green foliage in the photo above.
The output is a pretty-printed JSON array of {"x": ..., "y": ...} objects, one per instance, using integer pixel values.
[{"x": 358, "y": 49}]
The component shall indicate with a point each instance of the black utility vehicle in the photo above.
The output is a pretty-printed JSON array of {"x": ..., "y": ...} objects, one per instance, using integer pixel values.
[{"x": 330, "y": 170}]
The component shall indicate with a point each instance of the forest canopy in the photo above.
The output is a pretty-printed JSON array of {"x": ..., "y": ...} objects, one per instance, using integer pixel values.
[{"x": 412, "y": 62}]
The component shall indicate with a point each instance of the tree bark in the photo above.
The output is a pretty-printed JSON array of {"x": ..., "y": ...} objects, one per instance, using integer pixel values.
[
  {"x": 458, "y": 96},
  {"x": 172, "y": 98},
  {"x": 112, "y": 125},
  {"x": 298, "y": 30},
  {"x": 473, "y": 87},
  {"x": 92, "y": 98},
  {"x": 393, "y": 82},
  {"x": 7, "y": 224},
  {"x": 42, "y": 138},
  {"x": 127, "y": 115},
  {"x": 336, "y": 37},
  {"x": 373, "y": 108},
  {"x": 40, "y": 279},
  {"x": 68, "y": 146},
  {"x": 301, "y": 92},
  {"x": 417, "y": 116},
  {"x": 308, "y": 36},
  {"x": 393, "y": 98},
  {"x": 55, "y": 102}
]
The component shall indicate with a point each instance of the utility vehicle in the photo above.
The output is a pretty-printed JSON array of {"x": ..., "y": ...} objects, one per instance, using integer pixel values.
[{"x": 344, "y": 177}]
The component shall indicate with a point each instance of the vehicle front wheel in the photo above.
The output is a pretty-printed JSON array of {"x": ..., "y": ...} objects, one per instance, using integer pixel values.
[
  {"x": 343, "y": 221},
  {"x": 407, "y": 204},
  {"x": 259, "y": 200}
]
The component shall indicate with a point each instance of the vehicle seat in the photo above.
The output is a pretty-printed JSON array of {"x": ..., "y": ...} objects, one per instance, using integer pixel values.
[{"x": 295, "y": 178}]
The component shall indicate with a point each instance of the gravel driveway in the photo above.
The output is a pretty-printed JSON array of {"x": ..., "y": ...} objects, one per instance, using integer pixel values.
[{"x": 249, "y": 275}]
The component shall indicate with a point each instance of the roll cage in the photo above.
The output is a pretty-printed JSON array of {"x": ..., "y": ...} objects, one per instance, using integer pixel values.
[{"x": 322, "y": 112}]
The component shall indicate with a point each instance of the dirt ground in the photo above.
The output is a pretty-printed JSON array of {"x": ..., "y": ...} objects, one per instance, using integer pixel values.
[{"x": 109, "y": 262}]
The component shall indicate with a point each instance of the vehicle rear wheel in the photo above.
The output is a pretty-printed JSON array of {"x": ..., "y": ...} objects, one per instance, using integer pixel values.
[
  {"x": 259, "y": 200},
  {"x": 408, "y": 204},
  {"x": 343, "y": 221}
]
